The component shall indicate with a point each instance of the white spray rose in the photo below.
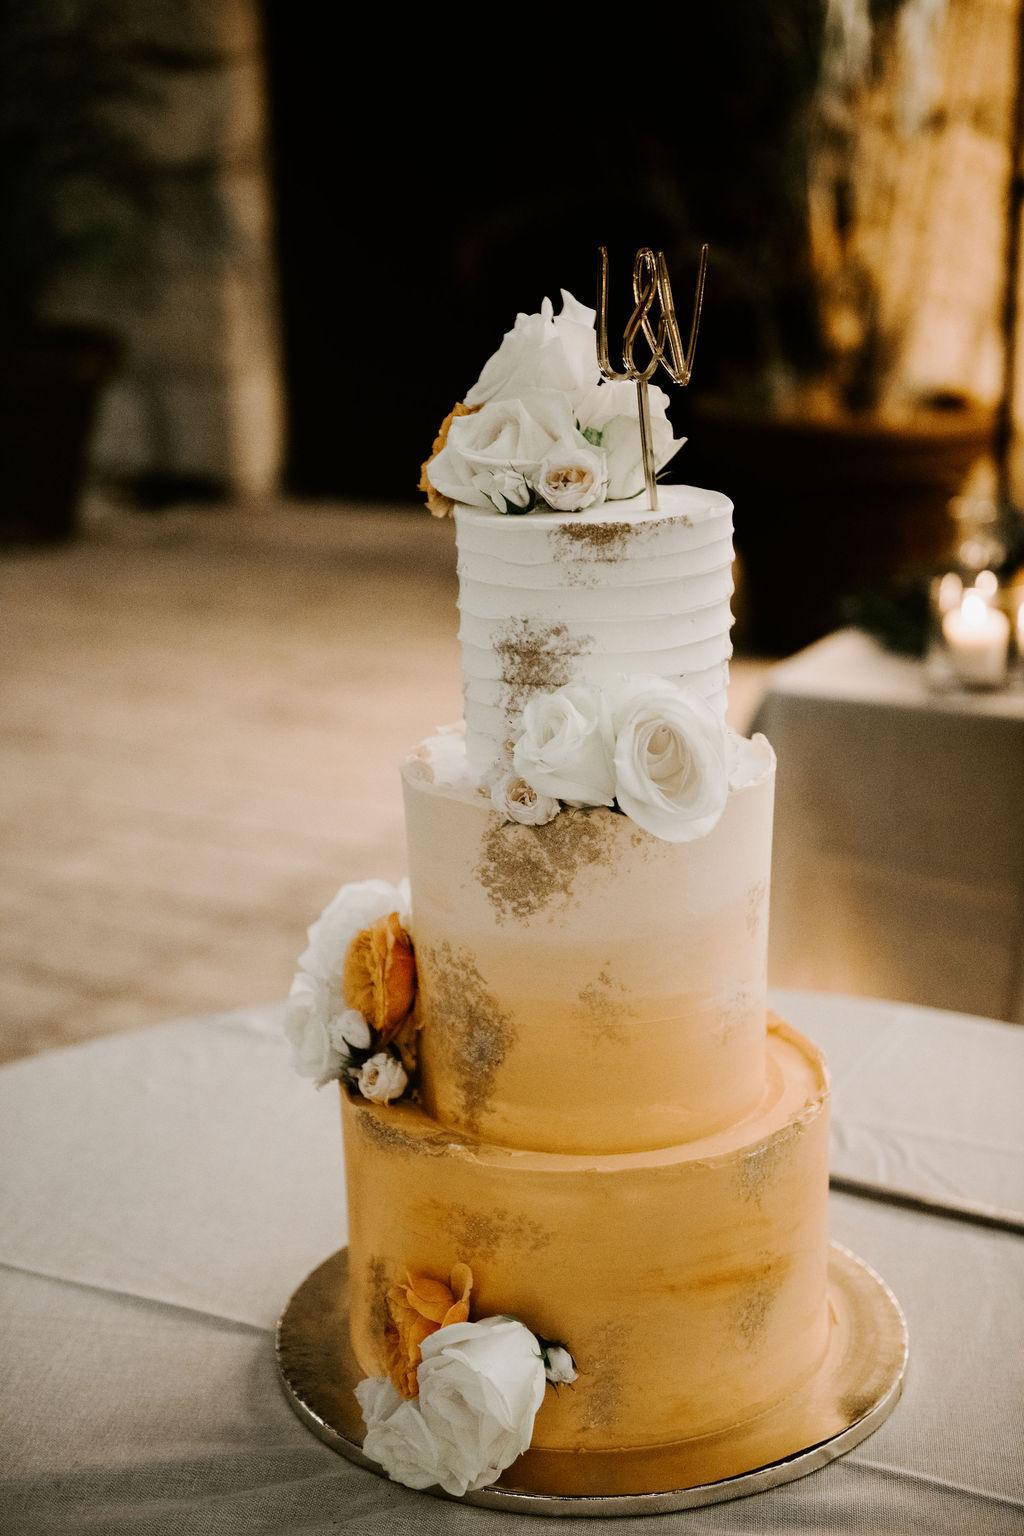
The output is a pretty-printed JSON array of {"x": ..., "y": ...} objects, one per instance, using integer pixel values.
[
  {"x": 545, "y": 351},
  {"x": 382, "y": 1078},
  {"x": 559, "y": 1365},
  {"x": 499, "y": 448},
  {"x": 397, "y": 1435},
  {"x": 510, "y": 492},
  {"x": 571, "y": 477},
  {"x": 481, "y": 1385},
  {"x": 317, "y": 1022},
  {"x": 518, "y": 801},
  {"x": 671, "y": 775},
  {"x": 566, "y": 746},
  {"x": 611, "y": 409}
]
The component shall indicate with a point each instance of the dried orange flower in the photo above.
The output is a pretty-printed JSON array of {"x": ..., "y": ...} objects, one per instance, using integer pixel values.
[
  {"x": 379, "y": 977},
  {"x": 418, "y": 1309},
  {"x": 438, "y": 504}
]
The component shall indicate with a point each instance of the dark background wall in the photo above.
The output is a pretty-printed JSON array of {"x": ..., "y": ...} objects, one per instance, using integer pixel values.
[{"x": 425, "y": 196}]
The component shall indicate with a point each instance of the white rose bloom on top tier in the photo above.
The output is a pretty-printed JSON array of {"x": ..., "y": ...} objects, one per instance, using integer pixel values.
[
  {"x": 545, "y": 351},
  {"x": 611, "y": 409},
  {"x": 493, "y": 456},
  {"x": 671, "y": 772},
  {"x": 566, "y": 746}
]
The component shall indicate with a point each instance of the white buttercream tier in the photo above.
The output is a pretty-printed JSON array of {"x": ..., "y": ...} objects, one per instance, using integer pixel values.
[{"x": 557, "y": 597}]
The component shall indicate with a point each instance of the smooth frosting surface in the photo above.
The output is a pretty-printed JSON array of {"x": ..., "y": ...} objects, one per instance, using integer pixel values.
[
  {"x": 688, "y": 1282},
  {"x": 585, "y": 986},
  {"x": 551, "y": 598}
]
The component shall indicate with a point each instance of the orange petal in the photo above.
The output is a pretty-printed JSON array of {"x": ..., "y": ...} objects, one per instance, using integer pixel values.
[{"x": 429, "y": 1297}]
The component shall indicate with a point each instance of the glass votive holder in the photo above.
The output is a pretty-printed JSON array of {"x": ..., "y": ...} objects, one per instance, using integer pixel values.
[{"x": 970, "y": 633}]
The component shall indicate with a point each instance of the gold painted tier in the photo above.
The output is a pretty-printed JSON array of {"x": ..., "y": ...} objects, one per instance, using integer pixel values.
[
  {"x": 689, "y": 1282},
  {"x": 589, "y": 953}
]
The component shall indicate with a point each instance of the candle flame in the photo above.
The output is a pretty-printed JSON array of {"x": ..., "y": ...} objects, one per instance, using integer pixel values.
[{"x": 974, "y": 608}]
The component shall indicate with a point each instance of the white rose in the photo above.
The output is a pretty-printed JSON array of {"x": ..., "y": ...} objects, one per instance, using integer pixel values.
[
  {"x": 559, "y": 1365},
  {"x": 307, "y": 1025},
  {"x": 671, "y": 775},
  {"x": 349, "y": 1032},
  {"x": 397, "y": 1435},
  {"x": 481, "y": 1385},
  {"x": 518, "y": 801},
  {"x": 544, "y": 351},
  {"x": 500, "y": 445},
  {"x": 566, "y": 746},
  {"x": 317, "y": 1023},
  {"x": 354, "y": 908},
  {"x": 382, "y": 1078},
  {"x": 611, "y": 410},
  {"x": 571, "y": 478}
]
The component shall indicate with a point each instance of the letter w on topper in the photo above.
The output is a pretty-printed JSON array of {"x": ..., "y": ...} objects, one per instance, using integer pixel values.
[{"x": 664, "y": 344}]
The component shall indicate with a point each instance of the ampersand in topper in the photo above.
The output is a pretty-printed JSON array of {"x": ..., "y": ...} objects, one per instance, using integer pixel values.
[{"x": 664, "y": 344}]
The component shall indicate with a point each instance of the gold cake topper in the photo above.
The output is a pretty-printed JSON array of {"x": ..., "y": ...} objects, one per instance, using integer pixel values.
[{"x": 650, "y": 282}]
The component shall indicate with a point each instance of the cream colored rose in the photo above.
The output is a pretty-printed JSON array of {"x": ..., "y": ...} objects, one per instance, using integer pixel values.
[
  {"x": 382, "y": 1078},
  {"x": 543, "y": 351},
  {"x": 671, "y": 775},
  {"x": 565, "y": 749},
  {"x": 610, "y": 414},
  {"x": 572, "y": 478},
  {"x": 518, "y": 801}
]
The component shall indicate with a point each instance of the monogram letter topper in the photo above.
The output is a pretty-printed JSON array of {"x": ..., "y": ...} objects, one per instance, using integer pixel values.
[{"x": 664, "y": 344}]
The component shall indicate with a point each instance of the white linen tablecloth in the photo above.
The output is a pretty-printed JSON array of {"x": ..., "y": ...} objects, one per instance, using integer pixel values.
[
  {"x": 163, "y": 1192},
  {"x": 898, "y": 864}
]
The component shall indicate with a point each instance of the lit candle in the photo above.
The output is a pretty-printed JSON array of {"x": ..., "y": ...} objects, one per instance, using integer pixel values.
[{"x": 978, "y": 638}]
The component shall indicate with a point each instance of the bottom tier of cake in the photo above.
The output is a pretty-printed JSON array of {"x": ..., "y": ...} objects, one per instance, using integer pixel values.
[{"x": 689, "y": 1283}]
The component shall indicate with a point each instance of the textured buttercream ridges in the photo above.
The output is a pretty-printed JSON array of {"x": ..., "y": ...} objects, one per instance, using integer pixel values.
[{"x": 550, "y": 598}]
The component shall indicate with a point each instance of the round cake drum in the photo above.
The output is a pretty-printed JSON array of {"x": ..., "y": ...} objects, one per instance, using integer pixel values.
[{"x": 855, "y": 1390}]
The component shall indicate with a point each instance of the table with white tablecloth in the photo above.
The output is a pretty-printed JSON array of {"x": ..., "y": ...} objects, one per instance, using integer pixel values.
[
  {"x": 898, "y": 865},
  {"x": 162, "y": 1193}
]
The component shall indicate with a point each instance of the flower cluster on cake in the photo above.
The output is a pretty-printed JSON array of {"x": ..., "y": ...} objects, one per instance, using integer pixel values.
[{"x": 541, "y": 429}]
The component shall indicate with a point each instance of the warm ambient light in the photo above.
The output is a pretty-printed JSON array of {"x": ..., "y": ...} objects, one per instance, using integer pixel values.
[{"x": 978, "y": 638}]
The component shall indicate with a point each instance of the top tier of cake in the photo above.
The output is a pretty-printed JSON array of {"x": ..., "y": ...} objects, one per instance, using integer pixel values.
[{"x": 552, "y": 598}]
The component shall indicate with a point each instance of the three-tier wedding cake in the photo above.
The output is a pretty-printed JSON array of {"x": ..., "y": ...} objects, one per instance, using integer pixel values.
[{"x": 587, "y": 1170}]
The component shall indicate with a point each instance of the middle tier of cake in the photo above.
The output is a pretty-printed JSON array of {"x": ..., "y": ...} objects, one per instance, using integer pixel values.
[{"x": 584, "y": 986}]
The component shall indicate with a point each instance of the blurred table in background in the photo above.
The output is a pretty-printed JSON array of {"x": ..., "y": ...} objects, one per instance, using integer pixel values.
[{"x": 899, "y": 832}]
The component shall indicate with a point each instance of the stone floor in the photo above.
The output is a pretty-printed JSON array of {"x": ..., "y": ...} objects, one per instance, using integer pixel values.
[{"x": 202, "y": 714}]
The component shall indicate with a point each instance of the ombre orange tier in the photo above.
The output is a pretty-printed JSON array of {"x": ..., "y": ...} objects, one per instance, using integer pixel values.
[
  {"x": 584, "y": 986},
  {"x": 688, "y": 1282}
]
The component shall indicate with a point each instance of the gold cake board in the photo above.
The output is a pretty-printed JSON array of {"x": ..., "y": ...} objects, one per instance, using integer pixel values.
[{"x": 853, "y": 1392}]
